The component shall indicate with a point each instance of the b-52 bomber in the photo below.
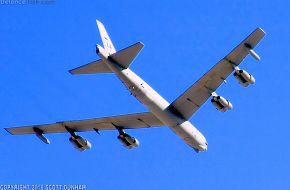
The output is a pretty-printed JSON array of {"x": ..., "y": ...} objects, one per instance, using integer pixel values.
[{"x": 175, "y": 115}]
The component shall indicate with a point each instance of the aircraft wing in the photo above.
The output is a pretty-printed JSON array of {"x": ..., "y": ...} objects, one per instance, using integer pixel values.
[
  {"x": 131, "y": 121},
  {"x": 194, "y": 97}
]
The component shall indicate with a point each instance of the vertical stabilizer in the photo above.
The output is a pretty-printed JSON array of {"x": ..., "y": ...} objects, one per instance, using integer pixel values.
[{"x": 108, "y": 45}]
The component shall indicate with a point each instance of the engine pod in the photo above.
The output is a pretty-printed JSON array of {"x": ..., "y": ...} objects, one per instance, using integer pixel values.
[
  {"x": 221, "y": 103},
  {"x": 80, "y": 143},
  {"x": 128, "y": 141},
  {"x": 244, "y": 78}
]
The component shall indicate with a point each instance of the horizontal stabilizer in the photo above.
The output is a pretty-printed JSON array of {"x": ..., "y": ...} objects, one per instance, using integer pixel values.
[
  {"x": 94, "y": 67},
  {"x": 126, "y": 56}
]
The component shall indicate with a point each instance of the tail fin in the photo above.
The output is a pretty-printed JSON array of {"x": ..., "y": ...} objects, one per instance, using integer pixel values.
[
  {"x": 108, "y": 45},
  {"x": 123, "y": 57}
]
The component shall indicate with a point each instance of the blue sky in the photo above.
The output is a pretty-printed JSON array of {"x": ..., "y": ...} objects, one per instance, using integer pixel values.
[{"x": 248, "y": 146}]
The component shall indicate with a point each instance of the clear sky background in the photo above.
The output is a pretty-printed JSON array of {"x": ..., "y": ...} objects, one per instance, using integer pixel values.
[{"x": 248, "y": 146}]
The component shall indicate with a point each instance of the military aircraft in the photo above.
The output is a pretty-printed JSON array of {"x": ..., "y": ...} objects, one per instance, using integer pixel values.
[{"x": 175, "y": 115}]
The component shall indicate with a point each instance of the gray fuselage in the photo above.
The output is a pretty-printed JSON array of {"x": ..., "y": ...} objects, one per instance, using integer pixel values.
[{"x": 157, "y": 105}]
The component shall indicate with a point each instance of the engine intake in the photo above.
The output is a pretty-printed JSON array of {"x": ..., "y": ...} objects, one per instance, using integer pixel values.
[
  {"x": 80, "y": 143},
  {"x": 243, "y": 77},
  {"x": 128, "y": 141},
  {"x": 221, "y": 103}
]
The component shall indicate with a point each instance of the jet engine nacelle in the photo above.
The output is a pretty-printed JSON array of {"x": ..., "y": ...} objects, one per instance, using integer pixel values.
[
  {"x": 221, "y": 103},
  {"x": 128, "y": 141},
  {"x": 80, "y": 143},
  {"x": 244, "y": 77}
]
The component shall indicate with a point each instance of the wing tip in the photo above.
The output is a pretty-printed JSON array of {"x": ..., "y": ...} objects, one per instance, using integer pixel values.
[
  {"x": 141, "y": 44},
  {"x": 261, "y": 30},
  {"x": 72, "y": 71},
  {"x": 8, "y": 130},
  {"x": 77, "y": 70}
]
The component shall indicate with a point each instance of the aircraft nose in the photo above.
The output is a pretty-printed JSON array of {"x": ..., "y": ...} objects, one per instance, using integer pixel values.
[
  {"x": 203, "y": 147},
  {"x": 206, "y": 144}
]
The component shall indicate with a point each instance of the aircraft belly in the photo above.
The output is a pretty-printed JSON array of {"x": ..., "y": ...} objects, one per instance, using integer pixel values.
[{"x": 158, "y": 106}]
